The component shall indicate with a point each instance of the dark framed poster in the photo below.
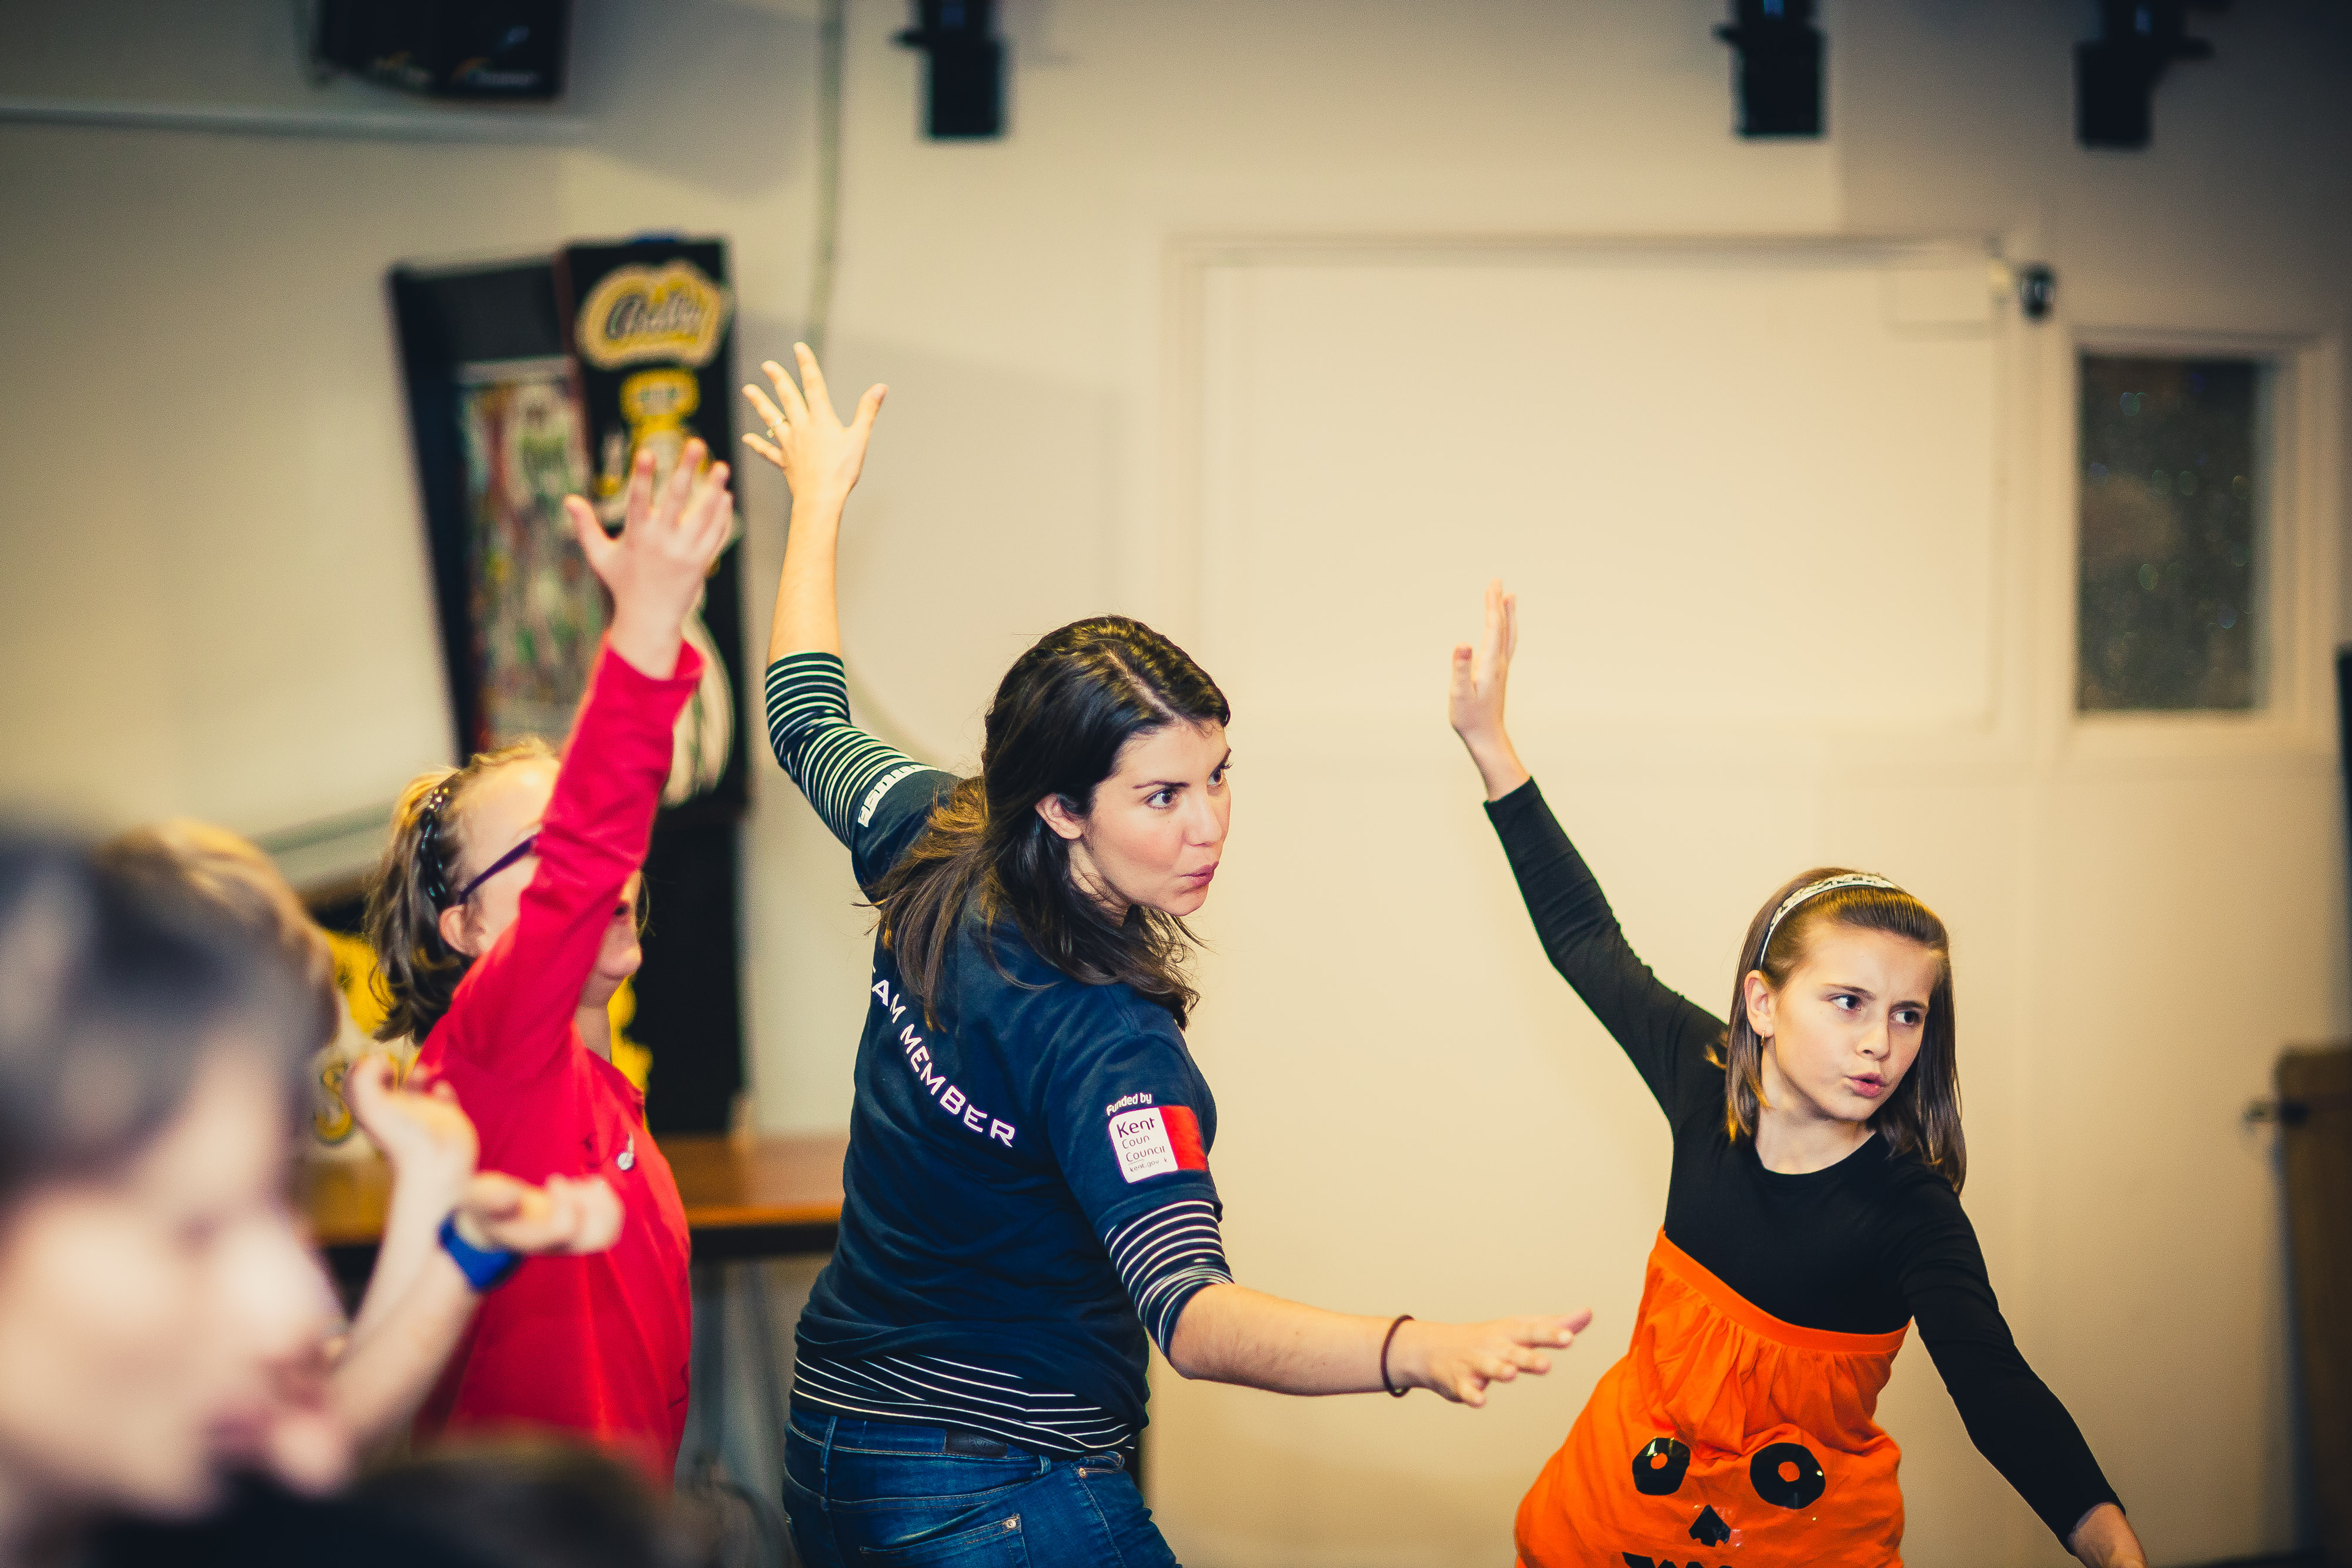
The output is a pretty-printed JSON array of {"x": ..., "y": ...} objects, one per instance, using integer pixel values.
[
  {"x": 650, "y": 327},
  {"x": 527, "y": 381}
]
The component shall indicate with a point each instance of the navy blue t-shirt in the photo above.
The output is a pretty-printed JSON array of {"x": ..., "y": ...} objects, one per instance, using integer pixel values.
[{"x": 1028, "y": 1157}]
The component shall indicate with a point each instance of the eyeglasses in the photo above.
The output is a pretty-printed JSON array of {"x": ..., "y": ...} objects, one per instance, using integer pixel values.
[
  {"x": 641, "y": 914},
  {"x": 496, "y": 867}
]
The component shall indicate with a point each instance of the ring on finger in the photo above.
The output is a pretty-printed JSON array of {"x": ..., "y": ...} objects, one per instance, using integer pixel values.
[{"x": 774, "y": 429}]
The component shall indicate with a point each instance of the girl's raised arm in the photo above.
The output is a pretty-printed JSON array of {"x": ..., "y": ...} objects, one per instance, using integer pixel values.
[
  {"x": 513, "y": 1011},
  {"x": 1663, "y": 1031},
  {"x": 822, "y": 458}
]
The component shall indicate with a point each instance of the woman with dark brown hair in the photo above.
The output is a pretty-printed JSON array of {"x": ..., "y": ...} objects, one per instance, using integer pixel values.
[
  {"x": 1814, "y": 1213},
  {"x": 1028, "y": 1191}
]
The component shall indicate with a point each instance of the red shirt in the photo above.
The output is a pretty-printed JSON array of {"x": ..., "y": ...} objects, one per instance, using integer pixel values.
[{"x": 598, "y": 1345}]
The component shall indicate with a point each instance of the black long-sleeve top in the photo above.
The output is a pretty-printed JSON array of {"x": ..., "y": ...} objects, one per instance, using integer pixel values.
[{"x": 1871, "y": 1243}]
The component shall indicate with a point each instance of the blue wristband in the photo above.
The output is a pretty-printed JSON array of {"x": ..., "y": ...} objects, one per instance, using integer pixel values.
[{"x": 482, "y": 1269}]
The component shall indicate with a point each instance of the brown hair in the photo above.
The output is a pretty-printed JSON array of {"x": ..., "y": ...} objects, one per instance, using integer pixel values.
[
  {"x": 1922, "y": 1117},
  {"x": 116, "y": 985},
  {"x": 230, "y": 876},
  {"x": 1059, "y": 719},
  {"x": 416, "y": 971},
  {"x": 536, "y": 1501}
]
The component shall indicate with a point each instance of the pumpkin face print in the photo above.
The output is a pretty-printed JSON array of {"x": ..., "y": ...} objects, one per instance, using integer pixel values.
[
  {"x": 1724, "y": 1437},
  {"x": 1782, "y": 1475}
]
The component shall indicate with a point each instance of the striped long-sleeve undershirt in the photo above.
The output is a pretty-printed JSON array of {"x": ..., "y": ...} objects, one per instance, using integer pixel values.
[
  {"x": 936, "y": 1391},
  {"x": 1164, "y": 1257},
  {"x": 839, "y": 767}
]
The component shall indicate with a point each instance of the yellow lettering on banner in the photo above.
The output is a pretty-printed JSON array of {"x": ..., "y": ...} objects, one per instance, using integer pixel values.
[{"x": 639, "y": 313}]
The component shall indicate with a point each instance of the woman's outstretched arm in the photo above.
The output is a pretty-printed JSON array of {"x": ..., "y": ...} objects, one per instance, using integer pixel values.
[
  {"x": 822, "y": 458},
  {"x": 1228, "y": 1333}
]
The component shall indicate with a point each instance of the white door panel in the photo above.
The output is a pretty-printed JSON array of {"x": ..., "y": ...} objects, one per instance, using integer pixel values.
[{"x": 1713, "y": 478}]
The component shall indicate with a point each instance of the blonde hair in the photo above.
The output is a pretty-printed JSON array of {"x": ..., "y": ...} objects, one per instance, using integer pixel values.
[
  {"x": 416, "y": 971},
  {"x": 228, "y": 875},
  {"x": 1922, "y": 1117}
]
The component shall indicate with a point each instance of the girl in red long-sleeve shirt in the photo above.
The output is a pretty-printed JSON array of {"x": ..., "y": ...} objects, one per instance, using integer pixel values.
[{"x": 503, "y": 919}]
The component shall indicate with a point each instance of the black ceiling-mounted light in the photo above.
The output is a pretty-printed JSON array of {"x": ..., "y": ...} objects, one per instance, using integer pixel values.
[
  {"x": 963, "y": 68},
  {"x": 1779, "y": 67},
  {"x": 2116, "y": 73}
]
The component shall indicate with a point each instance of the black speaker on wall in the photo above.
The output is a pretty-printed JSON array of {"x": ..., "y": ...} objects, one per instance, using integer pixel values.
[
  {"x": 2116, "y": 73},
  {"x": 479, "y": 49},
  {"x": 963, "y": 69},
  {"x": 1779, "y": 70}
]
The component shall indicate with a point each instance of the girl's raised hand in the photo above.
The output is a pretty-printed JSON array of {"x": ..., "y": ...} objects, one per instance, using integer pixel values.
[
  {"x": 821, "y": 456},
  {"x": 656, "y": 567},
  {"x": 1459, "y": 1359},
  {"x": 1473, "y": 702}
]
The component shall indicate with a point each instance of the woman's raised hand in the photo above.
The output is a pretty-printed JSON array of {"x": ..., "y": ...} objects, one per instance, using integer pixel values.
[
  {"x": 821, "y": 456},
  {"x": 656, "y": 567},
  {"x": 1459, "y": 1359},
  {"x": 1473, "y": 702}
]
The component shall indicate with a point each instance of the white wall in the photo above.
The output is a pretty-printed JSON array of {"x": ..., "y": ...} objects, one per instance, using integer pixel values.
[{"x": 216, "y": 594}]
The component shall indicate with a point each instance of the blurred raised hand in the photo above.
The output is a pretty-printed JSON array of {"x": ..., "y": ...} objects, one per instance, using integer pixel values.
[
  {"x": 422, "y": 1131},
  {"x": 568, "y": 1216}
]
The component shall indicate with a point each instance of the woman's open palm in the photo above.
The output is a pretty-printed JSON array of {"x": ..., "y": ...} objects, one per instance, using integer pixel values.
[
  {"x": 806, "y": 439},
  {"x": 1459, "y": 1359}
]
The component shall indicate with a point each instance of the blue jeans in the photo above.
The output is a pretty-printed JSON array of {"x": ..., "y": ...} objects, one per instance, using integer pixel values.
[{"x": 864, "y": 1493}]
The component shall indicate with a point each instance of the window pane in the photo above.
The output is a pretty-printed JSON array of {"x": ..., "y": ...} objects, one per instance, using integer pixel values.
[{"x": 2172, "y": 494}]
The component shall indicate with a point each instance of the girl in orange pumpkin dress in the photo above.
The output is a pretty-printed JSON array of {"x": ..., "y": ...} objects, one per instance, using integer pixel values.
[{"x": 1812, "y": 1217}]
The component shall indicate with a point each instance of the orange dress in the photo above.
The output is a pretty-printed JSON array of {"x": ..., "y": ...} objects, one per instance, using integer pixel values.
[
  {"x": 1724, "y": 1434},
  {"x": 1739, "y": 1433}
]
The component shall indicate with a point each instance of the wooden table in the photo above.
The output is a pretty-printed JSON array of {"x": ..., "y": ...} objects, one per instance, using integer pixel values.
[{"x": 761, "y": 1198}]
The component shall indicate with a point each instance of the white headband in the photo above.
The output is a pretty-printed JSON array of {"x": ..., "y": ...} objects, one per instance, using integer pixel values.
[{"x": 1813, "y": 889}]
